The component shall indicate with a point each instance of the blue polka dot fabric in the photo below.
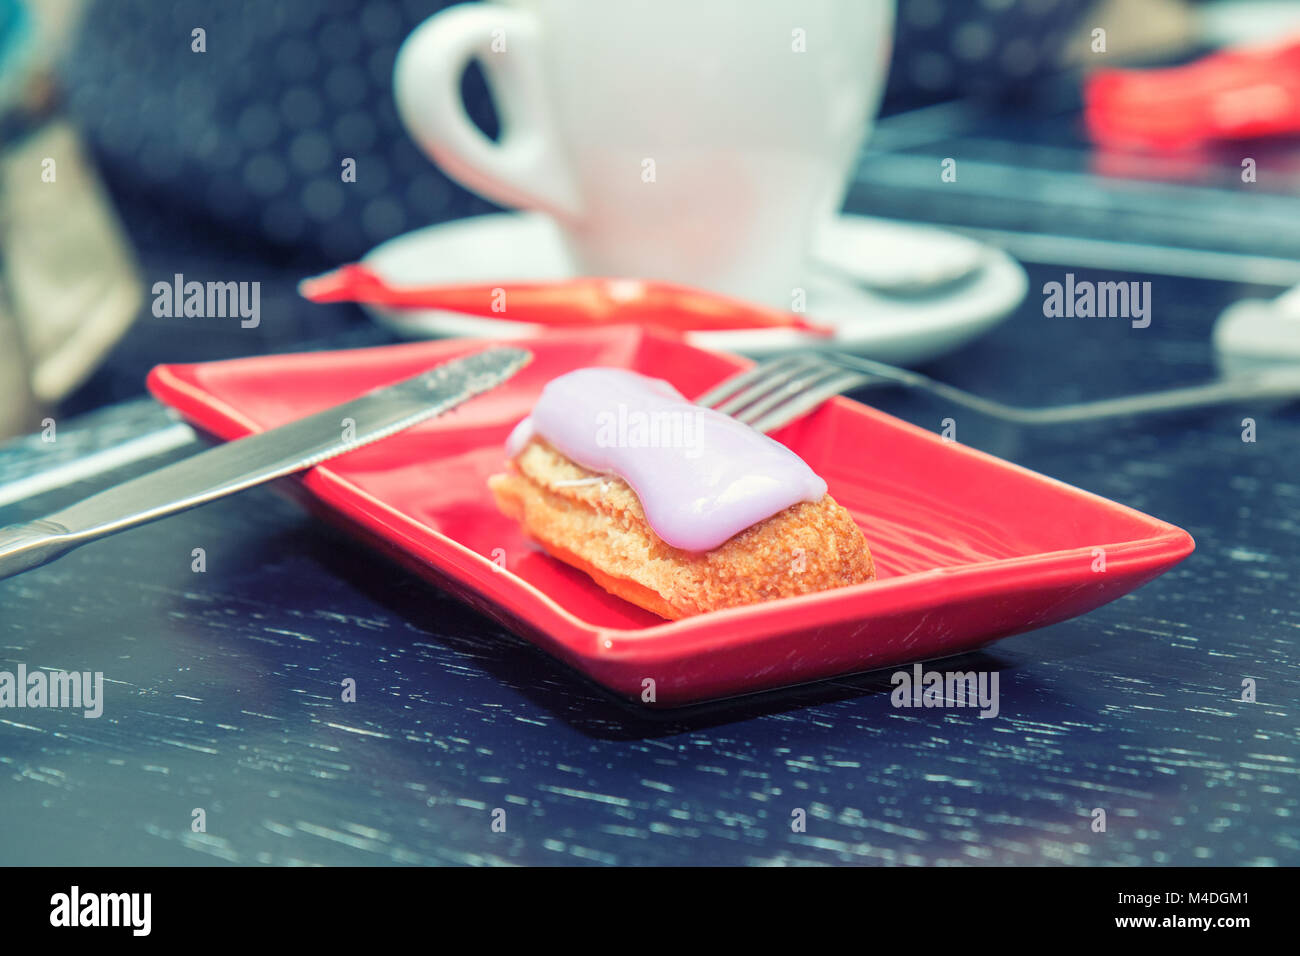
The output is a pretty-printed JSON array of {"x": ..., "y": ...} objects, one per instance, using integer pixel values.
[
  {"x": 981, "y": 48},
  {"x": 253, "y": 131}
]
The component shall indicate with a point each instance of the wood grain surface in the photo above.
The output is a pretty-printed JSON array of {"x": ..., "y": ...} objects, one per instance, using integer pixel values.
[{"x": 223, "y": 687}]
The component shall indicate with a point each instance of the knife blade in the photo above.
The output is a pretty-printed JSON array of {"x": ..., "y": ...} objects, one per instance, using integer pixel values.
[{"x": 240, "y": 464}]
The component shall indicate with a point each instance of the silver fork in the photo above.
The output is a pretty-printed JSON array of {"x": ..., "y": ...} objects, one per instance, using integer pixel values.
[{"x": 776, "y": 392}]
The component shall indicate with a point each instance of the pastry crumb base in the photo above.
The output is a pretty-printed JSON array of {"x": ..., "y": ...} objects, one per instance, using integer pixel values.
[{"x": 595, "y": 523}]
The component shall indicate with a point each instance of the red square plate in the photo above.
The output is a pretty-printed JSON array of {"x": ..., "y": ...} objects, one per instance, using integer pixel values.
[{"x": 968, "y": 548}]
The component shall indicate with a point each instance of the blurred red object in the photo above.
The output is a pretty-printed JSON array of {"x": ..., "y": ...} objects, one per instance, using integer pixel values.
[
  {"x": 1232, "y": 94},
  {"x": 587, "y": 301}
]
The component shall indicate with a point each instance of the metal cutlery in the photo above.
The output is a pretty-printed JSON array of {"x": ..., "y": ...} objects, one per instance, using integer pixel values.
[{"x": 238, "y": 465}]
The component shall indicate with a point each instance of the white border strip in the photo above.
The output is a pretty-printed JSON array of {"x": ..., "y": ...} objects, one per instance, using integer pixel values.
[
  {"x": 96, "y": 463},
  {"x": 1075, "y": 251}
]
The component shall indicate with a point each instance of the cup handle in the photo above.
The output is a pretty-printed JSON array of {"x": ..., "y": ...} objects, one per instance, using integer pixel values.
[{"x": 525, "y": 168}]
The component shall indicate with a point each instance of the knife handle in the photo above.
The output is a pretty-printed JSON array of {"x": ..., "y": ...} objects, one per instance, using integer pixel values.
[{"x": 29, "y": 545}]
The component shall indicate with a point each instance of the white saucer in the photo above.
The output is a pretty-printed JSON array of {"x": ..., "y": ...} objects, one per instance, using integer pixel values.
[{"x": 901, "y": 330}]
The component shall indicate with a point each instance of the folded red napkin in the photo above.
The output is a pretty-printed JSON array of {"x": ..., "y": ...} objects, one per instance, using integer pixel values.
[{"x": 586, "y": 301}]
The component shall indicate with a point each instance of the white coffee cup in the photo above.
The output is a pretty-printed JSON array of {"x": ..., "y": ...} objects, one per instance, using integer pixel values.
[{"x": 692, "y": 141}]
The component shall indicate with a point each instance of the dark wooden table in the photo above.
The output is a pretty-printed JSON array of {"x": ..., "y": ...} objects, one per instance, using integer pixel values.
[{"x": 223, "y": 687}]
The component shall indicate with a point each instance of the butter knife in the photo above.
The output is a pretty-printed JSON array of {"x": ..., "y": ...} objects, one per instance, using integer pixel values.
[{"x": 237, "y": 465}]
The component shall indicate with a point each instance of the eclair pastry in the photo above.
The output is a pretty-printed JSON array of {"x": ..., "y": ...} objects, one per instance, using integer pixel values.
[{"x": 674, "y": 507}]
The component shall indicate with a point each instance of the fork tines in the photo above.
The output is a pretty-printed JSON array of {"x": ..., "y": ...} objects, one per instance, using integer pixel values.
[{"x": 776, "y": 392}]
